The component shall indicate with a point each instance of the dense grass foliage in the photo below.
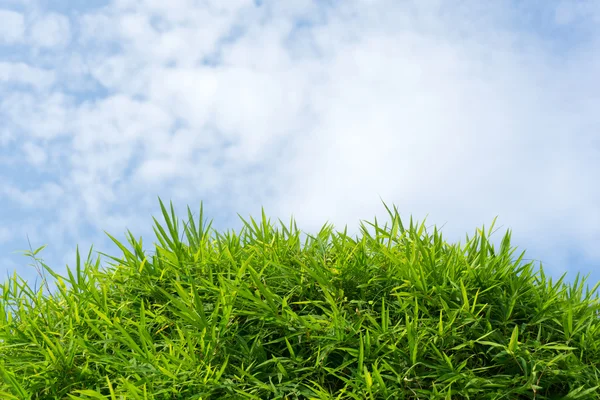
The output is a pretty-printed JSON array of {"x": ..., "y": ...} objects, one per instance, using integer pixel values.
[{"x": 397, "y": 314}]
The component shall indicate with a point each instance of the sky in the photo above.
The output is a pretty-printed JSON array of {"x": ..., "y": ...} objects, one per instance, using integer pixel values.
[{"x": 454, "y": 111}]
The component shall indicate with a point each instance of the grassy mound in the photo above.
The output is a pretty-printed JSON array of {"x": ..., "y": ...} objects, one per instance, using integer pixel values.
[{"x": 398, "y": 315}]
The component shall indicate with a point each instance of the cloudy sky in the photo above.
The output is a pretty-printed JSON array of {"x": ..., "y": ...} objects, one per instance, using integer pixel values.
[{"x": 455, "y": 110}]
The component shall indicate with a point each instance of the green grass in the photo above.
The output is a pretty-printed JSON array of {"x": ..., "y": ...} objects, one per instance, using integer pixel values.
[{"x": 398, "y": 314}]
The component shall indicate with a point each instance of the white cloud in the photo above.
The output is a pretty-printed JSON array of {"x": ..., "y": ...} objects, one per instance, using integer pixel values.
[
  {"x": 50, "y": 30},
  {"x": 12, "y": 27},
  {"x": 45, "y": 197},
  {"x": 25, "y": 74},
  {"x": 6, "y": 136},
  {"x": 43, "y": 116},
  {"x": 35, "y": 154}
]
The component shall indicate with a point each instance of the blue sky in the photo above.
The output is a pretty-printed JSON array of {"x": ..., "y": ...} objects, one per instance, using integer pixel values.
[{"x": 458, "y": 110}]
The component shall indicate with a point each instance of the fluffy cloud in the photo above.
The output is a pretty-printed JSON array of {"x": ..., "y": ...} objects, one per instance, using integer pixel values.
[
  {"x": 21, "y": 73},
  {"x": 460, "y": 111},
  {"x": 50, "y": 30},
  {"x": 12, "y": 28}
]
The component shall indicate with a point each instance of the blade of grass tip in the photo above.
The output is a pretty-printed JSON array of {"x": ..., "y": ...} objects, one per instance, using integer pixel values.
[
  {"x": 387, "y": 208},
  {"x": 290, "y": 348},
  {"x": 162, "y": 236},
  {"x": 182, "y": 245},
  {"x": 163, "y": 210},
  {"x": 286, "y": 232},
  {"x": 589, "y": 293},
  {"x": 128, "y": 254},
  {"x": 173, "y": 216},
  {"x": 84, "y": 274},
  {"x": 247, "y": 226},
  {"x": 368, "y": 378},
  {"x": 204, "y": 227},
  {"x": 136, "y": 245},
  {"x": 171, "y": 224},
  {"x": 484, "y": 247},
  {"x": 201, "y": 228},
  {"x": 190, "y": 231},
  {"x": 512, "y": 345},
  {"x": 422, "y": 227},
  {"x": 344, "y": 236},
  {"x": 465, "y": 297},
  {"x": 188, "y": 224},
  {"x": 397, "y": 215},
  {"x": 490, "y": 230},
  {"x": 252, "y": 229},
  {"x": 258, "y": 230},
  {"x": 71, "y": 279},
  {"x": 36, "y": 251},
  {"x": 265, "y": 224}
]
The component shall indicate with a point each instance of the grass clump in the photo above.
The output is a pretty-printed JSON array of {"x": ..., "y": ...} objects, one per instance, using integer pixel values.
[{"x": 400, "y": 314}]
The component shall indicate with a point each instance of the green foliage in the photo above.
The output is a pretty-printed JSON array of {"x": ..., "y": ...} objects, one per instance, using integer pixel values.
[{"x": 398, "y": 314}]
